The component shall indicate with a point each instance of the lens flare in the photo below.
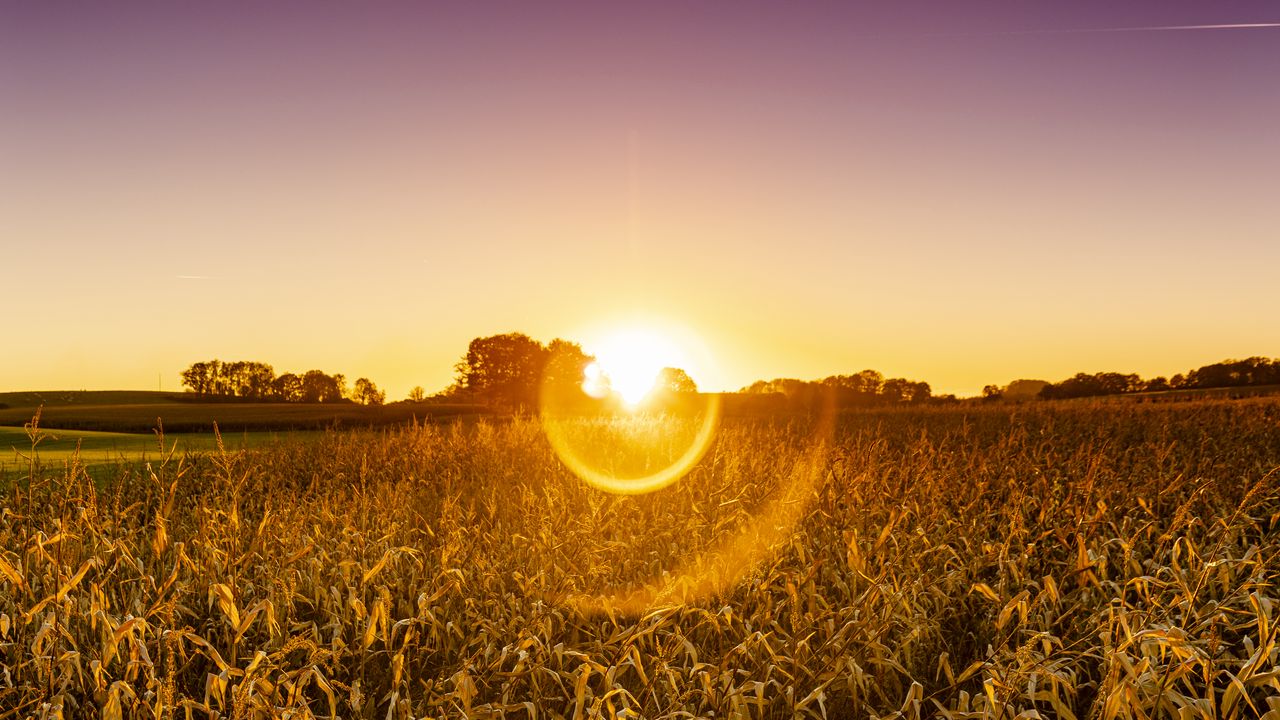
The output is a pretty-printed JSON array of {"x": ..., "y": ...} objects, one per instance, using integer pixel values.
[
  {"x": 722, "y": 565},
  {"x": 615, "y": 429},
  {"x": 597, "y": 458},
  {"x": 628, "y": 362},
  {"x": 610, "y": 427}
]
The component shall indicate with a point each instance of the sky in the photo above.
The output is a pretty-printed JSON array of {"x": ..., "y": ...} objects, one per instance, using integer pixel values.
[{"x": 959, "y": 192}]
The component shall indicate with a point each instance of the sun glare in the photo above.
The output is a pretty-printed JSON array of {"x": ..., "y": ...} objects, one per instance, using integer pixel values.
[{"x": 628, "y": 362}]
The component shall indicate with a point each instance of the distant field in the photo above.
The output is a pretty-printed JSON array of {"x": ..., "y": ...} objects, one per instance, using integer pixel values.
[
  {"x": 49, "y": 398},
  {"x": 106, "y": 448},
  {"x": 137, "y": 412}
]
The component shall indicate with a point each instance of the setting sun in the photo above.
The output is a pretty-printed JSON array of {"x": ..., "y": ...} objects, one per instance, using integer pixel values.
[{"x": 628, "y": 362}]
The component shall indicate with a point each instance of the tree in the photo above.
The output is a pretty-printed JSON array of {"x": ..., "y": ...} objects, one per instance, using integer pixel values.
[
  {"x": 233, "y": 375},
  {"x": 319, "y": 387},
  {"x": 256, "y": 380},
  {"x": 991, "y": 392},
  {"x": 674, "y": 381},
  {"x": 366, "y": 393},
  {"x": 565, "y": 365},
  {"x": 1235, "y": 373},
  {"x": 502, "y": 370},
  {"x": 1023, "y": 389},
  {"x": 896, "y": 390},
  {"x": 417, "y": 394},
  {"x": 1157, "y": 384},
  {"x": 868, "y": 382},
  {"x": 217, "y": 378},
  {"x": 1086, "y": 385},
  {"x": 197, "y": 379},
  {"x": 287, "y": 387}
]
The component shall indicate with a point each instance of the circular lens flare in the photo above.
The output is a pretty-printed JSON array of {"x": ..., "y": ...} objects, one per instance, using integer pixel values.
[
  {"x": 579, "y": 450},
  {"x": 616, "y": 427},
  {"x": 717, "y": 568},
  {"x": 601, "y": 446}
]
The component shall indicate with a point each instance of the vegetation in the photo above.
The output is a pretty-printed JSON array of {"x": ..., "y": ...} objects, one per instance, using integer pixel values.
[
  {"x": 1252, "y": 372},
  {"x": 60, "y": 398},
  {"x": 366, "y": 393},
  {"x": 106, "y": 448},
  {"x": 258, "y": 381},
  {"x": 199, "y": 417},
  {"x": 508, "y": 370},
  {"x": 980, "y": 561},
  {"x": 868, "y": 387}
]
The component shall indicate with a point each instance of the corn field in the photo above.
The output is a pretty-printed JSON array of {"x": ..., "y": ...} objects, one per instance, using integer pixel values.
[{"x": 1048, "y": 560}]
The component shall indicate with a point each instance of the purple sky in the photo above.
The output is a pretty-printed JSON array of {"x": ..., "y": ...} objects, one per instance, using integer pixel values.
[{"x": 964, "y": 193}]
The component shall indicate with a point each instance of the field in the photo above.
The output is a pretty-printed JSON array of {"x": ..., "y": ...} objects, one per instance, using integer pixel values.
[
  {"x": 141, "y": 412},
  {"x": 1048, "y": 560},
  {"x": 96, "y": 449}
]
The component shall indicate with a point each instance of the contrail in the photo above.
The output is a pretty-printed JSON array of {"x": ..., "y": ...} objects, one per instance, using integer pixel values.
[
  {"x": 1164, "y": 28},
  {"x": 1130, "y": 29}
]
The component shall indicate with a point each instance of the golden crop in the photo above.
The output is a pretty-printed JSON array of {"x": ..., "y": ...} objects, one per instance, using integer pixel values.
[{"x": 1070, "y": 561}]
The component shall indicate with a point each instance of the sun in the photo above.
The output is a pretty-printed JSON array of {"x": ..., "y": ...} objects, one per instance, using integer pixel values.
[{"x": 628, "y": 362}]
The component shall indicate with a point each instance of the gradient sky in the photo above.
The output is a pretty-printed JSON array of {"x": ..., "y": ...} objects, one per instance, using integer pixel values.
[{"x": 960, "y": 192}]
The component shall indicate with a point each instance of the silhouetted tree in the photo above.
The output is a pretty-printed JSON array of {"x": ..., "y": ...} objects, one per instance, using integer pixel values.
[
  {"x": 1086, "y": 385},
  {"x": 502, "y": 370},
  {"x": 254, "y": 380},
  {"x": 864, "y": 388},
  {"x": 1235, "y": 373},
  {"x": 991, "y": 392},
  {"x": 318, "y": 387},
  {"x": 869, "y": 382},
  {"x": 366, "y": 393},
  {"x": 565, "y": 365},
  {"x": 239, "y": 378},
  {"x": 287, "y": 387},
  {"x": 197, "y": 378},
  {"x": 1156, "y": 384},
  {"x": 674, "y": 380},
  {"x": 920, "y": 391},
  {"x": 899, "y": 390},
  {"x": 1023, "y": 389},
  {"x": 417, "y": 394}
]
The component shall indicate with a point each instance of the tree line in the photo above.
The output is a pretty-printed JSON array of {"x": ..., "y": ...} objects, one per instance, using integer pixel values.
[
  {"x": 1250, "y": 372},
  {"x": 868, "y": 387},
  {"x": 253, "y": 380},
  {"x": 510, "y": 370}
]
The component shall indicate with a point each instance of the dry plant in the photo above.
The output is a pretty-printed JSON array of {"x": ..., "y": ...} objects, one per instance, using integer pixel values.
[{"x": 1069, "y": 561}]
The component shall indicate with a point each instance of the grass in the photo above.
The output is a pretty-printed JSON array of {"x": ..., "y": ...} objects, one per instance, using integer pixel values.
[
  {"x": 92, "y": 448},
  {"x": 1074, "y": 560}
]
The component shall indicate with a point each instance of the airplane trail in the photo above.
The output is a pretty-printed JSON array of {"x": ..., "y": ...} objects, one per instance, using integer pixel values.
[
  {"x": 1164, "y": 28},
  {"x": 1126, "y": 29}
]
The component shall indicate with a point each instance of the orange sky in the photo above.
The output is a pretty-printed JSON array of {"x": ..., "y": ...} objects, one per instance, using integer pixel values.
[{"x": 964, "y": 197}]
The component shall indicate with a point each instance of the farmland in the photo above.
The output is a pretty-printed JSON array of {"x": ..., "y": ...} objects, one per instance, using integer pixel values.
[
  {"x": 1066, "y": 559},
  {"x": 141, "y": 412},
  {"x": 94, "y": 449},
  {"x": 100, "y": 428}
]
